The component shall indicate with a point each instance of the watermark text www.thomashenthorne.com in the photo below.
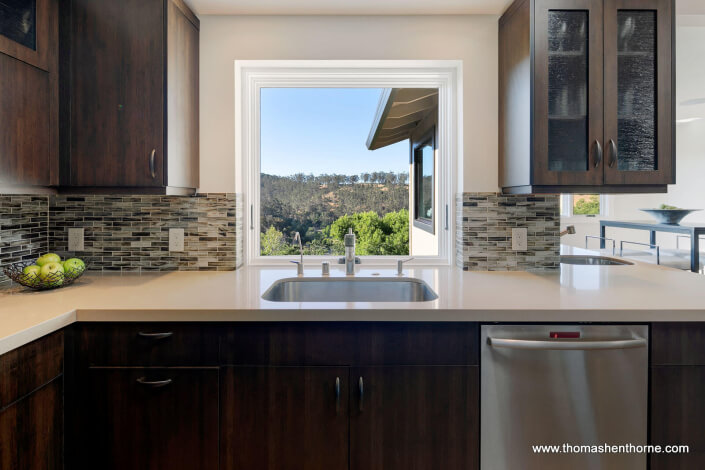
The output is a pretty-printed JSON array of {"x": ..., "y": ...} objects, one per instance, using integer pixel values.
[{"x": 610, "y": 449}]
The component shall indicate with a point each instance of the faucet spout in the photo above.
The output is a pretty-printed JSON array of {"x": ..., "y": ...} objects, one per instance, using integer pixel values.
[{"x": 300, "y": 263}]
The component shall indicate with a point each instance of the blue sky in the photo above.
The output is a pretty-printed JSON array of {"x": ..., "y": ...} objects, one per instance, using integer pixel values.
[{"x": 323, "y": 130}]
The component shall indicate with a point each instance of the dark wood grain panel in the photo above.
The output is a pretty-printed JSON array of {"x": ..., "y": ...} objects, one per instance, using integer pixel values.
[
  {"x": 117, "y": 92},
  {"x": 182, "y": 168},
  {"x": 515, "y": 95},
  {"x": 26, "y": 121},
  {"x": 126, "y": 425},
  {"x": 31, "y": 366},
  {"x": 277, "y": 418},
  {"x": 31, "y": 431},
  {"x": 134, "y": 344},
  {"x": 678, "y": 343},
  {"x": 417, "y": 344},
  {"x": 678, "y": 416},
  {"x": 351, "y": 343},
  {"x": 415, "y": 418}
]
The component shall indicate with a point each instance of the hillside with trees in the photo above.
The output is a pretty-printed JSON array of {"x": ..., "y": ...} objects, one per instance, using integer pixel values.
[{"x": 322, "y": 208}]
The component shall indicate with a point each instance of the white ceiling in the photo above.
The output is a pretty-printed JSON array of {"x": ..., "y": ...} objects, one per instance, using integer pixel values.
[
  {"x": 376, "y": 7},
  {"x": 348, "y": 7}
]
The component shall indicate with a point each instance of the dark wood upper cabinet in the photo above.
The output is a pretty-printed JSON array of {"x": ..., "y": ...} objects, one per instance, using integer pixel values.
[
  {"x": 586, "y": 96},
  {"x": 29, "y": 104},
  {"x": 132, "y": 95}
]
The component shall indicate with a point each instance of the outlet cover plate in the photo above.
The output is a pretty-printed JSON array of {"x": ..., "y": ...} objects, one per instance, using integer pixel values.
[
  {"x": 519, "y": 239},
  {"x": 76, "y": 239},
  {"x": 176, "y": 239}
]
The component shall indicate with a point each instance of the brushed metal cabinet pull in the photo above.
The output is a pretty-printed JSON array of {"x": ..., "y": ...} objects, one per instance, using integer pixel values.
[
  {"x": 598, "y": 153},
  {"x": 153, "y": 383},
  {"x": 166, "y": 334},
  {"x": 337, "y": 395},
  {"x": 361, "y": 386},
  {"x": 613, "y": 153},
  {"x": 152, "y": 167}
]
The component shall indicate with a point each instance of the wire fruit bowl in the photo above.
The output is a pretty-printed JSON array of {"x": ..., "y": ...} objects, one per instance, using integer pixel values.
[{"x": 33, "y": 281}]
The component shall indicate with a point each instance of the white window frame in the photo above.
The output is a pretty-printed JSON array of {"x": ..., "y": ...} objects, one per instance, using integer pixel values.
[
  {"x": 567, "y": 210},
  {"x": 253, "y": 75}
]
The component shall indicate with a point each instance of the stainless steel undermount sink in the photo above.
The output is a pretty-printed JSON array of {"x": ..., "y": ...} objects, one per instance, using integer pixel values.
[
  {"x": 593, "y": 260},
  {"x": 349, "y": 289}
]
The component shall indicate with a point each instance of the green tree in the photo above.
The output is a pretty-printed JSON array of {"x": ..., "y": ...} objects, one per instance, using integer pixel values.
[
  {"x": 375, "y": 235},
  {"x": 273, "y": 243},
  {"x": 588, "y": 205}
]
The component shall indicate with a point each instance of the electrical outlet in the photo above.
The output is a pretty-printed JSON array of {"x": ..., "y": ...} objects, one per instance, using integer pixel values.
[
  {"x": 519, "y": 242},
  {"x": 76, "y": 239},
  {"x": 176, "y": 239}
]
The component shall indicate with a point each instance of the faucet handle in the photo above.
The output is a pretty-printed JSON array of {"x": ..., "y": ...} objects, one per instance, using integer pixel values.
[
  {"x": 299, "y": 267},
  {"x": 400, "y": 265}
]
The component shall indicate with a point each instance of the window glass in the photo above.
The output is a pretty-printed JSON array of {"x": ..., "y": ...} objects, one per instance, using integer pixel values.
[
  {"x": 424, "y": 173},
  {"x": 426, "y": 183},
  {"x": 586, "y": 204}
]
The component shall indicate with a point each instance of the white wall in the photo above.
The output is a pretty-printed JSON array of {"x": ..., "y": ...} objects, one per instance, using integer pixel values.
[
  {"x": 472, "y": 39},
  {"x": 689, "y": 190}
]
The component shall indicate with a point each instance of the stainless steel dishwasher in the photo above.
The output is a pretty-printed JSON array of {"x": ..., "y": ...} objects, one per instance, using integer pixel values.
[{"x": 558, "y": 385}]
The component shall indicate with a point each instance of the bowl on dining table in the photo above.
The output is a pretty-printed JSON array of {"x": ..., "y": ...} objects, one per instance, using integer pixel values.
[{"x": 669, "y": 216}]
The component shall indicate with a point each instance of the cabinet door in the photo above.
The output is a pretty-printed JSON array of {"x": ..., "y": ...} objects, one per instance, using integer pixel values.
[
  {"x": 639, "y": 115},
  {"x": 144, "y": 419},
  {"x": 678, "y": 416},
  {"x": 31, "y": 431},
  {"x": 284, "y": 418},
  {"x": 568, "y": 110},
  {"x": 414, "y": 418},
  {"x": 117, "y": 93}
]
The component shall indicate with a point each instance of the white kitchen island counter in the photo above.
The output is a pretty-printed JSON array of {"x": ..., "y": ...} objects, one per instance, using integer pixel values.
[{"x": 637, "y": 293}]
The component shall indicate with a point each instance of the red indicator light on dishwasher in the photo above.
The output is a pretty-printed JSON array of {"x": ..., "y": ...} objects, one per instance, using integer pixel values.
[{"x": 564, "y": 334}]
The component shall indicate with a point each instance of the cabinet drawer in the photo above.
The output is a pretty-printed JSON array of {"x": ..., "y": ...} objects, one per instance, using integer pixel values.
[
  {"x": 678, "y": 344},
  {"x": 147, "y": 344},
  {"x": 291, "y": 344},
  {"x": 29, "y": 367},
  {"x": 144, "y": 419}
]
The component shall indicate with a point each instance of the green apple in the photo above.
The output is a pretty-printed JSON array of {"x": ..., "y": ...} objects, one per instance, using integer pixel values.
[
  {"x": 74, "y": 267},
  {"x": 31, "y": 274},
  {"x": 52, "y": 274},
  {"x": 48, "y": 258}
]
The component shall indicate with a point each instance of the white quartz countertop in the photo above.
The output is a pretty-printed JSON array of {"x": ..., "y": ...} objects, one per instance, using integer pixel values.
[{"x": 637, "y": 293}]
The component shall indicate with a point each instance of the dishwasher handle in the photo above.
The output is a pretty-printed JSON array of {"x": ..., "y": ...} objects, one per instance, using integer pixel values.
[{"x": 631, "y": 343}]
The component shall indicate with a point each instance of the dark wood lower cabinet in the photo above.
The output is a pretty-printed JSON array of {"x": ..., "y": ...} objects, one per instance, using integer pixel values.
[
  {"x": 678, "y": 415},
  {"x": 284, "y": 418},
  {"x": 31, "y": 430},
  {"x": 146, "y": 419},
  {"x": 414, "y": 418}
]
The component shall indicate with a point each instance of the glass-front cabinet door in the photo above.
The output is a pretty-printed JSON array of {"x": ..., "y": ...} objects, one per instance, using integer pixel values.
[
  {"x": 638, "y": 90},
  {"x": 29, "y": 30},
  {"x": 568, "y": 92}
]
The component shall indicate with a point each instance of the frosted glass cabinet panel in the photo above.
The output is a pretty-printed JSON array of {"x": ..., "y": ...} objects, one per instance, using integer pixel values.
[
  {"x": 567, "y": 90},
  {"x": 636, "y": 90}
]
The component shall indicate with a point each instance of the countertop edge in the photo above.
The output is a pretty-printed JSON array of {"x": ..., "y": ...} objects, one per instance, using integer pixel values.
[{"x": 555, "y": 316}]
